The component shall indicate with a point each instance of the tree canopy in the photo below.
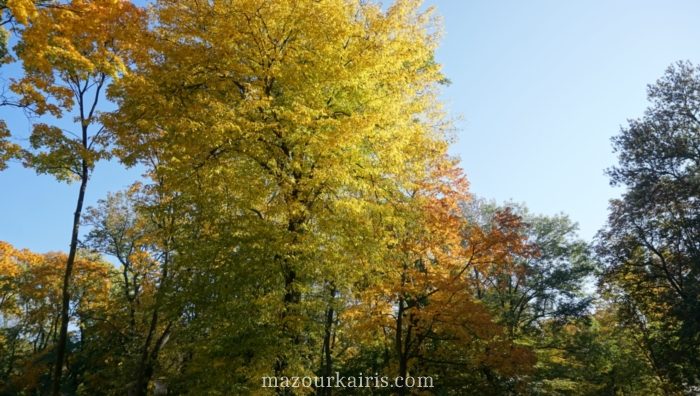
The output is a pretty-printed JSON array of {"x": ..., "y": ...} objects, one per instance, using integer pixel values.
[{"x": 300, "y": 217}]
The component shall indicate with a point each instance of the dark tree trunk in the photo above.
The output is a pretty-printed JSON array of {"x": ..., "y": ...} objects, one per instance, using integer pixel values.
[
  {"x": 62, "y": 343},
  {"x": 401, "y": 350},
  {"x": 326, "y": 355},
  {"x": 292, "y": 297},
  {"x": 145, "y": 368},
  {"x": 87, "y": 111}
]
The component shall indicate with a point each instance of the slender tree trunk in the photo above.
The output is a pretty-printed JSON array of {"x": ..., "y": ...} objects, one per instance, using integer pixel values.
[
  {"x": 292, "y": 298},
  {"x": 404, "y": 342},
  {"x": 400, "y": 347},
  {"x": 65, "y": 298},
  {"x": 149, "y": 356},
  {"x": 13, "y": 355},
  {"x": 326, "y": 356},
  {"x": 87, "y": 111}
]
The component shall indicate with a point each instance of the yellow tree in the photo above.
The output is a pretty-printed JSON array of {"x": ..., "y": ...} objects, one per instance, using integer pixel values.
[
  {"x": 69, "y": 52},
  {"x": 30, "y": 308},
  {"x": 11, "y": 12},
  {"x": 289, "y": 122}
]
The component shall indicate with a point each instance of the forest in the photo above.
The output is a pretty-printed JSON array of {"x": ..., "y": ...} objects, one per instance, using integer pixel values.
[{"x": 299, "y": 216}]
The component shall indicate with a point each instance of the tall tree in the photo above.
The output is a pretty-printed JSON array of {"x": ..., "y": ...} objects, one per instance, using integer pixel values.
[
  {"x": 69, "y": 52},
  {"x": 279, "y": 132},
  {"x": 651, "y": 244}
]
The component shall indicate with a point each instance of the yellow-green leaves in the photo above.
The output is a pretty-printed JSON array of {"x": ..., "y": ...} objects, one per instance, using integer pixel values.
[
  {"x": 290, "y": 128},
  {"x": 80, "y": 37},
  {"x": 69, "y": 53},
  {"x": 22, "y": 10},
  {"x": 8, "y": 150}
]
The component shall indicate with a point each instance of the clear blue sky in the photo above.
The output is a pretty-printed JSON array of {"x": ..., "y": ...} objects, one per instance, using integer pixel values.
[{"x": 539, "y": 88}]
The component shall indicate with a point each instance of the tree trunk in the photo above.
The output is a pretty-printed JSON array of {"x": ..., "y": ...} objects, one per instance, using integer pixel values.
[
  {"x": 149, "y": 356},
  {"x": 145, "y": 367},
  {"x": 292, "y": 297},
  {"x": 401, "y": 350},
  {"x": 326, "y": 355},
  {"x": 65, "y": 298}
]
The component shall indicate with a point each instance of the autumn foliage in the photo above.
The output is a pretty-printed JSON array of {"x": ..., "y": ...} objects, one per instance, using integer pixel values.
[{"x": 299, "y": 215}]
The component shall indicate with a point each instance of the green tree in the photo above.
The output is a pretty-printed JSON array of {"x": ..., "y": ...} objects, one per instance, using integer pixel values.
[
  {"x": 651, "y": 244},
  {"x": 136, "y": 228},
  {"x": 543, "y": 282},
  {"x": 593, "y": 356}
]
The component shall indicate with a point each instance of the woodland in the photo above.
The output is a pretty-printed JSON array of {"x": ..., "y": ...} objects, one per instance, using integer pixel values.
[{"x": 299, "y": 215}]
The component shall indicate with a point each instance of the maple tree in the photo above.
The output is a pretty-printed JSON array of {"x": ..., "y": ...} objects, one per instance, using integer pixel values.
[{"x": 10, "y": 13}]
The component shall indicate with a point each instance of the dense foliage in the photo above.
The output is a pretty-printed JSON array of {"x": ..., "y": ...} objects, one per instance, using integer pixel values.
[
  {"x": 652, "y": 241},
  {"x": 299, "y": 216}
]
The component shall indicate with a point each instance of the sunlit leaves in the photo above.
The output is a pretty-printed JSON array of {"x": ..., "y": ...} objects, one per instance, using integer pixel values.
[
  {"x": 22, "y": 9},
  {"x": 30, "y": 303},
  {"x": 286, "y": 137},
  {"x": 299, "y": 213}
]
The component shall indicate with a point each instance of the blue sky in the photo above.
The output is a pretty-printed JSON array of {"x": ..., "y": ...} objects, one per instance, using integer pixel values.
[
  {"x": 538, "y": 88},
  {"x": 542, "y": 85}
]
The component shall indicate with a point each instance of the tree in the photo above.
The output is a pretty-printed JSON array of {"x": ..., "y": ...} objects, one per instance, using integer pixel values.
[
  {"x": 423, "y": 303},
  {"x": 11, "y": 12},
  {"x": 541, "y": 282},
  {"x": 651, "y": 244},
  {"x": 268, "y": 126},
  {"x": 134, "y": 227},
  {"x": 300, "y": 215},
  {"x": 593, "y": 355},
  {"x": 69, "y": 53},
  {"x": 30, "y": 313}
]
